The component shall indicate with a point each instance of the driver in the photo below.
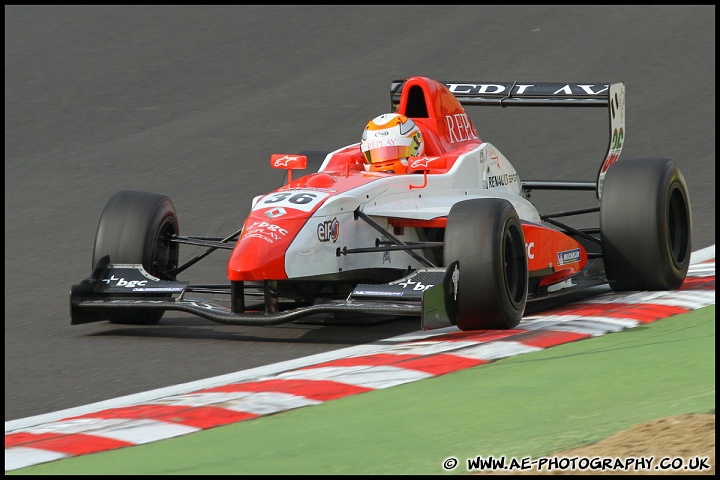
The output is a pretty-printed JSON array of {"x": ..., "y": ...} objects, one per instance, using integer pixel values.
[{"x": 388, "y": 140}]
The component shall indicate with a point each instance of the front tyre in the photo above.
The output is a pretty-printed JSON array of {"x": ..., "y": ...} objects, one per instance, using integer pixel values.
[
  {"x": 485, "y": 236},
  {"x": 645, "y": 224},
  {"x": 136, "y": 228}
]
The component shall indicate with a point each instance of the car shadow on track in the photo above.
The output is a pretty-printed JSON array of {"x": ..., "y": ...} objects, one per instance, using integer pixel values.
[{"x": 348, "y": 331}]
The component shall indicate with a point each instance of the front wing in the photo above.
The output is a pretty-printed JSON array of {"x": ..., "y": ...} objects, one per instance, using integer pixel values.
[{"x": 111, "y": 288}]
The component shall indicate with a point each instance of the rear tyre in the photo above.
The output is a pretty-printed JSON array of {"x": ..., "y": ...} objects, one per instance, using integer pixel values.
[
  {"x": 645, "y": 224},
  {"x": 136, "y": 228},
  {"x": 485, "y": 236}
]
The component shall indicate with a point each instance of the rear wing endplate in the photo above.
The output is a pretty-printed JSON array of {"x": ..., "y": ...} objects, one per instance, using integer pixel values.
[{"x": 545, "y": 94}]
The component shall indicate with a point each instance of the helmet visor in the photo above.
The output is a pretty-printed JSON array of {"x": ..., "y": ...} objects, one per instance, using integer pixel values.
[{"x": 381, "y": 152}]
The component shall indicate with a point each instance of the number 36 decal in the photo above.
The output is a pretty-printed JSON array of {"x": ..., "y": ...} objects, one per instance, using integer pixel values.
[{"x": 305, "y": 200}]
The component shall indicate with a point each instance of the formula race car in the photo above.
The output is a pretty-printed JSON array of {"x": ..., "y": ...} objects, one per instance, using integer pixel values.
[{"x": 454, "y": 240}]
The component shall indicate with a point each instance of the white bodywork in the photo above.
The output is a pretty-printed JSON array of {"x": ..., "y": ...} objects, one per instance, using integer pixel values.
[{"x": 483, "y": 172}]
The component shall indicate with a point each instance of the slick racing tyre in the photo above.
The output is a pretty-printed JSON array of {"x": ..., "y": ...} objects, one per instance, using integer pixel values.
[
  {"x": 135, "y": 228},
  {"x": 645, "y": 225},
  {"x": 485, "y": 236}
]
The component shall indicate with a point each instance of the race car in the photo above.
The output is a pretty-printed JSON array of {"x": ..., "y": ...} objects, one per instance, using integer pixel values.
[{"x": 453, "y": 240}]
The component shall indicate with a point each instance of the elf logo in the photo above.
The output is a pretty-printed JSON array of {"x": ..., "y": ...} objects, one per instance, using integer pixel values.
[{"x": 328, "y": 230}]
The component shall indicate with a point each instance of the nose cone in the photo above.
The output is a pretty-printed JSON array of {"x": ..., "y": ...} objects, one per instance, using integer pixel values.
[{"x": 260, "y": 252}]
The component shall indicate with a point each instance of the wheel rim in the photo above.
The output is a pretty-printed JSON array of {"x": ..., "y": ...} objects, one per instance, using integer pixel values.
[
  {"x": 165, "y": 251},
  {"x": 514, "y": 265},
  {"x": 677, "y": 228}
]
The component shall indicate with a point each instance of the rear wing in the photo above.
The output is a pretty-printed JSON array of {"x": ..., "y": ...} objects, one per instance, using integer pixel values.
[{"x": 545, "y": 94}]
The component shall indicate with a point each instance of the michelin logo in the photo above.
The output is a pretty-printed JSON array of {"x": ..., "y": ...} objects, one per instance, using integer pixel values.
[{"x": 568, "y": 256}]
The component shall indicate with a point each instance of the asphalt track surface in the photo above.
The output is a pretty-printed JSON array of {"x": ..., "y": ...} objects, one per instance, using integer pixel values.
[{"x": 192, "y": 101}]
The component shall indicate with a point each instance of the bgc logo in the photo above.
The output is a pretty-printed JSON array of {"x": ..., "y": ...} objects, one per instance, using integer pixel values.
[
  {"x": 328, "y": 230},
  {"x": 121, "y": 282}
]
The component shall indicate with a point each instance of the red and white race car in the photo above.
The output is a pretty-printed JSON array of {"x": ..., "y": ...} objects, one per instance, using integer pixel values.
[{"x": 454, "y": 240}]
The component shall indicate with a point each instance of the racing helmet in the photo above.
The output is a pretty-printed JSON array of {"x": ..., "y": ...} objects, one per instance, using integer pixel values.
[{"x": 388, "y": 140}]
